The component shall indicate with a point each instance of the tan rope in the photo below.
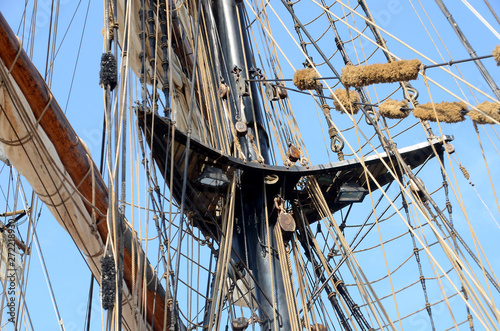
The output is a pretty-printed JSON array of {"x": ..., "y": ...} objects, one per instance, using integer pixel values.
[
  {"x": 28, "y": 135},
  {"x": 475, "y": 239},
  {"x": 224, "y": 258},
  {"x": 300, "y": 271},
  {"x": 486, "y": 165},
  {"x": 17, "y": 54},
  {"x": 286, "y": 272},
  {"x": 271, "y": 269}
]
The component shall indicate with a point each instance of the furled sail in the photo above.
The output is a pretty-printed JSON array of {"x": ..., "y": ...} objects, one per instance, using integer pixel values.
[{"x": 52, "y": 164}]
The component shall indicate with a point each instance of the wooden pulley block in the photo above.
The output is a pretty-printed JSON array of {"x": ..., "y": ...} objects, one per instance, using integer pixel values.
[
  {"x": 224, "y": 91},
  {"x": 286, "y": 222},
  {"x": 241, "y": 128},
  {"x": 271, "y": 92},
  {"x": 239, "y": 324},
  {"x": 416, "y": 190},
  {"x": 450, "y": 149},
  {"x": 281, "y": 91},
  {"x": 293, "y": 153}
]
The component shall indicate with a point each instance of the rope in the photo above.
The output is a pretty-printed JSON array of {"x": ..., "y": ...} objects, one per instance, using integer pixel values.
[
  {"x": 300, "y": 270},
  {"x": 383, "y": 250},
  {"x": 20, "y": 49},
  {"x": 286, "y": 272},
  {"x": 49, "y": 284},
  {"x": 417, "y": 258},
  {"x": 223, "y": 261},
  {"x": 481, "y": 18},
  {"x": 271, "y": 269},
  {"x": 42, "y": 152},
  {"x": 486, "y": 165},
  {"x": 492, "y": 11},
  {"x": 186, "y": 163},
  {"x": 476, "y": 242},
  {"x": 77, "y": 56},
  {"x": 324, "y": 211},
  {"x": 256, "y": 149},
  {"x": 236, "y": 141},
  {"x": 414, "y": 50},
  {"x": 449, "y": 208},
  {"x": 29, "y": 135}
]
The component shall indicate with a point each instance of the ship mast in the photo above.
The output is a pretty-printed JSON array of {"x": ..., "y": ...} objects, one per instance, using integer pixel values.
[{"x": 252, "y": 209}]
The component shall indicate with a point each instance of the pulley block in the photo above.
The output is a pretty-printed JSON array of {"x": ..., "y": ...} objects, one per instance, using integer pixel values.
[{"x": 241, "y": 128}]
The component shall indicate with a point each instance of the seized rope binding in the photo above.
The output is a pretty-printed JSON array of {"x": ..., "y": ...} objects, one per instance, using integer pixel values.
[
  {"x": 394, "y": 109},
  {"x": 350, "y": 100},
  {"x": 448, "y": 112},
  {"x": 305, "y": 79},
  {"x": 391, "y": 72}
]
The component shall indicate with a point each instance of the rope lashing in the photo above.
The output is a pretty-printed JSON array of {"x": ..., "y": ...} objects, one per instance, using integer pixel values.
[
  {"x": 448, "y": 112},
  {"x": 349, "y": 100},
  {"x": 391, "y": 72},
  {"x": 108, "y": 75},
  {"x": 108, "y": 276}
]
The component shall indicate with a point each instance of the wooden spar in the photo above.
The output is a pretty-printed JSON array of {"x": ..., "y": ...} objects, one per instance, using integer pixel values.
[
  {"x": 18, "y": 242},
  {"x": 74, "y": 158}
]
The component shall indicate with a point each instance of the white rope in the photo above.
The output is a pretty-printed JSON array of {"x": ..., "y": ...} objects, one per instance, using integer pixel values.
[
  {"x": 481, "y": 18},
  {"x": 47, "y": 280},
  {"x": 17, "y": 55}
]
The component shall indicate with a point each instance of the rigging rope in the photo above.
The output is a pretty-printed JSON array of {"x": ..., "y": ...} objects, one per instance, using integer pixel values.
[
  {"x": 47, "y": 279},
  {"x": 481, "y": 18},
  {"x": 77, "y": 57}
]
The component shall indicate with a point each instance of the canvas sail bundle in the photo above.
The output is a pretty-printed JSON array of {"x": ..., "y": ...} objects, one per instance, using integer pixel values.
[{"x": 28, "y": 148}]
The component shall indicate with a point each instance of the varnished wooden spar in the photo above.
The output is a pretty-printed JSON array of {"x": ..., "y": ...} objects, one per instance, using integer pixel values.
[{"x": 74, "y": 158}]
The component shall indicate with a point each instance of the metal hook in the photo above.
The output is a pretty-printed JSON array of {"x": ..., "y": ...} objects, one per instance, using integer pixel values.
[
  {"x": 337, "y": 144},
  {"x": 411, "y": 94},
  {"x": 370, "y": 116}
]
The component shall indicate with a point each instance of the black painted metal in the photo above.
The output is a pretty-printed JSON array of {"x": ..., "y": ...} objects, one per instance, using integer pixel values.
[{"x": 255, "y": 247}]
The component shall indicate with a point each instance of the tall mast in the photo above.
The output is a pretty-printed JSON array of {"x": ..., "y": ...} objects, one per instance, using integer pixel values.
[{"x": 251, "y": 244}]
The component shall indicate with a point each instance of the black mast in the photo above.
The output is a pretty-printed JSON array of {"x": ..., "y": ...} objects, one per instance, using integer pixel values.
[{"x": 250, "y": 238}]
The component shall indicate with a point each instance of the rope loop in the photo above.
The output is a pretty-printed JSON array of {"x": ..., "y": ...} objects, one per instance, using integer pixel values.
[
  {"x": 29, "y": 135},
  {"x": 411, "y": 95},
  {"x": 337, "y": 144},
  {"x": 17, "y": 55}
]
